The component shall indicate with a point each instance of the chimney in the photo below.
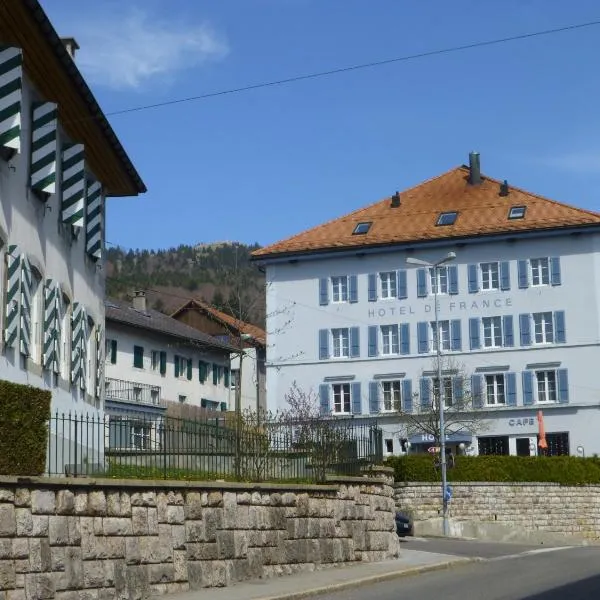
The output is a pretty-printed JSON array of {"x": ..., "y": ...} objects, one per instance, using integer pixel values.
[
  {"x": 395, "y": 200},
  {"x": 139, "y": 300},
  {"x": 71, "y": 46},
  {"x": 474, "y": 168},
  {"x": 504, "y": 190}
]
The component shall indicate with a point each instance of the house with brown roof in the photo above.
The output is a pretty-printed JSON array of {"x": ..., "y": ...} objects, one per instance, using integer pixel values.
[
  {"x": 517, "y": 320},
  {"x": 247, "y": 361}
]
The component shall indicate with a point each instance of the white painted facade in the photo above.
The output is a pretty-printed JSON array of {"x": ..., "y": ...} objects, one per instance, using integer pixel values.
[
  {"x": 253, "y": 374},
  {"x": 552, "y": 370}
]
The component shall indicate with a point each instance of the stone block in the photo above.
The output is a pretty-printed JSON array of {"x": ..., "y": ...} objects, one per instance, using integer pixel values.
[
  {"x": 20, "y": 548},
  {"x": 93, "y": 576},
  {"x": 193, "y": 506},
  {"x": 7, "y": 575},
  {"x": 152, "y": 521},
  {"x": 72, "y": 576},
  {"x": 139, "y": 520},
  {"x": 22, "y": 497},
  {"x": 288, "y": 499},
  {"x": 81, "y": 503},
  {"x": 7, "y": 495},
  {"x": 133, "y": 553},
  {"x": 161, "y": 506},
  {"x": 6, "y": 549},
  {"x": 194, "y": 531},
  {"x": 57, "y": 558},
  {"x": 240, "y": 544},
  {"x": 117, "y": 526},
  {"x": 114, "y": 547},
  {"x": 176, "y": 498},
  {"x": 178, "y": 537},
  {"x": 22, "y": 565},
  {"x": 39, "y": 586},
  {"x": 8, "y": 522},
  {"x": 24, "y": 521},
  {"x": 40, "y": 558},
  {"x": 277, "y": 518},
  {"x": 58, "y": 531},
  {"x": 180, "y": 566},
  {"x": 244, "y": 498},
  {"x": 113, "y": 504},
  {"x": 65, "y": 502},
  {"x": 43, "y": 502},
  {"x": 16, "y": 594},
  {"x": 143, "y": 499},
  {"x": 97, "y": 503},
  {"x": 215, "y": 499},
  {"x": 175, "y": 514},
  {"x": 162, "y": 573},
  {"x": 125, "y": 504},
  {"x": 201, "y": 551},
  {"x": 225, "y": 544},
  {"x": 213, "y": 519},
  {"x": 137, "y": 581}
]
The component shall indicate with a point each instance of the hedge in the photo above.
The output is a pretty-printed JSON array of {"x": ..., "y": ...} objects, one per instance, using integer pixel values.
[
  {"x": 566, "y": 470},
  {"x": 24, "y": 415}
]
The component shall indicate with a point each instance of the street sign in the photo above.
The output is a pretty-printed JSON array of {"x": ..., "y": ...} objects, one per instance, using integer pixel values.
[{"x": 433, "y": 449}]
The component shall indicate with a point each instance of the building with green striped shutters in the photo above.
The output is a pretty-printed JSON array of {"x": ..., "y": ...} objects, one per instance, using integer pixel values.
[
  {"x": 59, "y": 162},
  {"x": 518, "y": 316}
]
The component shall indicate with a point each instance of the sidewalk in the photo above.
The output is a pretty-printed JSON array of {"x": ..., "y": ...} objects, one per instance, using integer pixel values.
[{"x": 304, "y": 585}]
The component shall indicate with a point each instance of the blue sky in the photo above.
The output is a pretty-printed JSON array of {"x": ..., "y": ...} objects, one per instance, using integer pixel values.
[{"x": 266, "y": 164}]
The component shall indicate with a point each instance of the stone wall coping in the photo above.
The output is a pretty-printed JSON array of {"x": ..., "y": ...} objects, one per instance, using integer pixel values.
[{"x": 405, "y": 484}]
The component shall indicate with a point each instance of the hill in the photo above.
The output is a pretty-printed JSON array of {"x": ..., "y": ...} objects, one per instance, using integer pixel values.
[{"x": 219, "y": 273}]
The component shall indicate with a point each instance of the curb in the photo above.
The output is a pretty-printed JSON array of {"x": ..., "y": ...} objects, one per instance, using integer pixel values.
[{"x": 364, "y": 581}]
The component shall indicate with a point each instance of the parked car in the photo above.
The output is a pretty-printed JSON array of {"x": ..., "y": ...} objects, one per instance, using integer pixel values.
[{"x": 404, "y": 525}]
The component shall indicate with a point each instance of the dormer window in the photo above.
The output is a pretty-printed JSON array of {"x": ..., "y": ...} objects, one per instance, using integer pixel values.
[
  {"x": 362, "y": 228},
  {"x": 447, "y": 218},
  {"x": 517, "y": 212}
]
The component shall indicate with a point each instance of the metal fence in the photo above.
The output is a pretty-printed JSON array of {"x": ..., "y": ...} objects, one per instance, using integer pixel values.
[{"x": 161, "y": 447}]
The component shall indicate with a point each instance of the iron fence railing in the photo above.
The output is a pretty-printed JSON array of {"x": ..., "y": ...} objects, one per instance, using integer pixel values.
[
  {"x": 162, "y": 447},
  {"x": 132, "y": 392}
]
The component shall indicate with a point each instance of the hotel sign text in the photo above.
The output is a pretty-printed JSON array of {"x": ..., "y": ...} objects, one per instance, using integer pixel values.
[{"x": 450, "y": 307}]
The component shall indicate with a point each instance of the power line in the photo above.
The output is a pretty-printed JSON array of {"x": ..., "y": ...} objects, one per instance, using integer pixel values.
[{"x": 357, "y": 67}]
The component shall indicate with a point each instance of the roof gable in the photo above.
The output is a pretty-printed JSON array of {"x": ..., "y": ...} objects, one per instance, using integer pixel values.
[{"x": 482, "y": 209}]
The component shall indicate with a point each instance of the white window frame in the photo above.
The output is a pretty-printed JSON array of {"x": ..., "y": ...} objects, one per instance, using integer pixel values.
[
  {"x": 342, "y": 401},
  {"x": 390, "y": 340},
  {"x": 154, "y": 397},
  {"x": 448, "y": 389},
  {"x": 446, "y": 338},
  {"x": 90, "y": 345},
  {"x": 492, "y": 332},
  {"x": 155, "y": 360},
  {"x": 495, "y": 389},
  {"x": 183, "y": 360},
  {"x": 37, "y": 316},
  {"x": 388, "y": 282},
  {"x": 438, "y": 278},
  {"x": 391, "y": 395},
  {"x": 539, "y": 270},
  {"x": 543, "y": 328},
  {"x": 339, "y": 289},
  {"x": 234, "y": 375},
  {"x": 65, "y": 341},
  {"x": 141, "y": 435},
  {"x": 490, "y": 276},
  {"x": 340, "y": 342},
  {"x": 546, "y": 386}
]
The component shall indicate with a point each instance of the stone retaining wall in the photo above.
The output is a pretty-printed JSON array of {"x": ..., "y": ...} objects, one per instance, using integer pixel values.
[
  {"x": 534, "y": 507},
  {"x": 106, "y": 539}
]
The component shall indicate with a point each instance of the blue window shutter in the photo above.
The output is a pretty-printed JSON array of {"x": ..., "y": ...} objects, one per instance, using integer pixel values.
[
  {"x": 355, "y": 397},
  {"x": 324, "y": 399},
  {"x": 523, "y": 274},
  {"x": 563, "y": 385},
  {"x": 527, "y": 387},
  {"x": 453, "y": 279},
  {"x": 508, "y": 331},
  {"x": 323, "y": 344},
  {"x": 525, "y": 329},
  {"x": 560, "y": 332},
  {"x": 505, "y": 275},
  {"x": 510, "y": 380},
  {"x": 477, "y": 390},
  {"x": 421, "y": 283},
  {"x": 474, "y": 340},
  {"x": 402, "y": 285},
  {"x": 354, "y": 342},
  {"x": 423, "y": 337},
  {"x": 176, "y": 365},
  {"x": 353, "y": 295},
  {"x": 473, "y": 279},
  {"x": 404, "y": 338},
  {"x": 407, "y": 396},
  {"x": 456, "y": 341},
  {"x": 373, "y": 333},
  {"x": 372, "y": 287},
  {"x": 425, "y": 389},
  {"x": 555, "y": 278},
  {"x": 189, "y": 369},
  {"x": 323, "y": 291},
  {"x": 458, "y": 387},
  {"x": 373, "y": 397}
]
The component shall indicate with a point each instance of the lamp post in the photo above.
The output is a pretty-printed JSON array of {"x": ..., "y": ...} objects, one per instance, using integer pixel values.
[{"x": 435, "y": 266}]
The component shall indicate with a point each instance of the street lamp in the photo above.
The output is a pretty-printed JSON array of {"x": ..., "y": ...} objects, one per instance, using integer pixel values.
[{"x": 435, "y": 266}]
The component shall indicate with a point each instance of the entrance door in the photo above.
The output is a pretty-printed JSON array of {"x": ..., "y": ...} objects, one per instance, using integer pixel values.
[{"x": 523, "y": 447}]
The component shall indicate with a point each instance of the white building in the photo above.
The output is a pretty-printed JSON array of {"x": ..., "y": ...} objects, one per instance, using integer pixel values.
[
  {"x": 59, "y": 160},
  {"x": 519, "y": 312}
]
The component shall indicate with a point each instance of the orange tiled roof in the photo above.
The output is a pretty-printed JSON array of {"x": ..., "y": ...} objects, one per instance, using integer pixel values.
[
  {"x": 481, "y": 211},
  {"x": 242, "y": 327}
]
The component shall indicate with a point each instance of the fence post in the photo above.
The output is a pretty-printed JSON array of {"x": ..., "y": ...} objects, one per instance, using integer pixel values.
[{"x": 76, "y": 442}]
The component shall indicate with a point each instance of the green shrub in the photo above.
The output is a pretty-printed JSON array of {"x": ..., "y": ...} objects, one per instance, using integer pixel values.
[
  {"x": 24, "y": 415},
  {"x": 566, "y": 470}
]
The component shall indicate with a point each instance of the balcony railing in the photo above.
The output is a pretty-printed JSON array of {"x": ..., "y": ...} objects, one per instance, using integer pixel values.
[{"x": 133, "y": 392}]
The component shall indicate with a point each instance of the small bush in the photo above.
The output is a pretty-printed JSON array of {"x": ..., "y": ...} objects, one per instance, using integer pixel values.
[
  {"x": 24, "y": 415},
  {"x": 566, "y": 470}
]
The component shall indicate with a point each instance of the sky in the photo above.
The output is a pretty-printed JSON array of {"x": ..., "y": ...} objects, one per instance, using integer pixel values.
[{"x": 265, "y": 164}]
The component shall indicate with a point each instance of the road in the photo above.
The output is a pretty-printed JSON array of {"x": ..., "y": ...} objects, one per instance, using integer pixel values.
[{"x": 506, "y": 572}]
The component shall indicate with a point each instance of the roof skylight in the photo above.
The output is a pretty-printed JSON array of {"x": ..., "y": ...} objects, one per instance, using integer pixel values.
[
  {"x": 447, "y": 218},
  {"x": 517, "y": 212},
  {"x": 362, "y": 228}
]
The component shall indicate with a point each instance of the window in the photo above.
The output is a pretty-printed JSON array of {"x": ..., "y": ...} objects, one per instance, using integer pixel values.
[
  {"x": 546, "y": 386},
  {"x": 137, "y": 393},
  {"x": 447, "y": 218},
  {"x": 65, "y": 341},
  {"x": 341, "y": 398},
  {"x": 155, "y": 360},
  {"x": 490, "y": 276},
  {"x": 37, "y": 311},
  {"x": 138, "y": 357},
  {"x": 216, "y": 374},
  {"x": 540, "y": 271},
  {"x": 110, "y": 351},
  {"x": 91, "y": 357},
  {"x": 444, "y": 329},
  {"x": 362, "y": 228},
  {"x": 140, "y": 435},
  {"x": 558, "y": 444},
  {"x": 182, "y": 399},
  {"x": 389, "y": 287},
  {"x": 492, "y": 332},
  {"x": 494, "y": 390},
  {"x": 448, "y": 390},
  {"x": 543, "y": 328},
  {"x": 494, "y": 445},
  {"x": 154, "y": 398},
  {"x": 340, "y": 289},
  {"x": 235, "y": 375},
  {"x": 439, "y": 283},
  {"x": 341, "y": 342},
  {"x": 517, "y": 212},
  {"x": 391, "y": 395},
  {"x": 389, "y": 445},
  {"x": 390, "y": 342}
]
